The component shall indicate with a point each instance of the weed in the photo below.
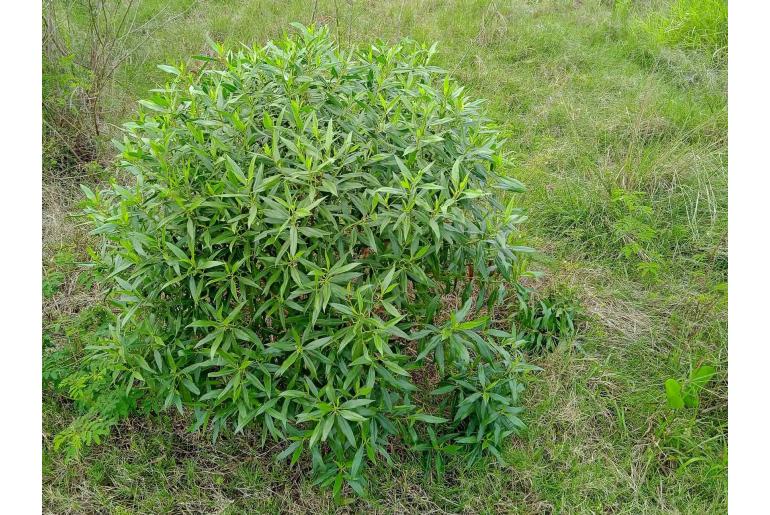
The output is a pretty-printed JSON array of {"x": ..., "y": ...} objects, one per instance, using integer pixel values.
[
  {"x": 681, "y": 432},
  {"x": 51, "y": 284},
  {"x": 544, "y": 324},
  {"x": 682, "y": 394}
]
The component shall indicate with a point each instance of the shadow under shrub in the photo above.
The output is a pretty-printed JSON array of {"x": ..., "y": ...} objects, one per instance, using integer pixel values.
[{"x": 280, "y": 260}]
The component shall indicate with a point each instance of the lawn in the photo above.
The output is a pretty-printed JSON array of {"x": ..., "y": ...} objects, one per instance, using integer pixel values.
[{"x": 616, "y": 118}]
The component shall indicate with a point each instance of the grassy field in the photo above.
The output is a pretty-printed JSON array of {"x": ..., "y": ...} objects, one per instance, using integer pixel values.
[{"x": 617, "y": 121}]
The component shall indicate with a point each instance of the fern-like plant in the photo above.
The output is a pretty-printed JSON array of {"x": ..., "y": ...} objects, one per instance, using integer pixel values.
[{"x": 281, "y": 258}]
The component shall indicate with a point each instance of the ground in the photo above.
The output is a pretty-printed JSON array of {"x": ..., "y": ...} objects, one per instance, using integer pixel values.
[{"x": 616, "y": 115}]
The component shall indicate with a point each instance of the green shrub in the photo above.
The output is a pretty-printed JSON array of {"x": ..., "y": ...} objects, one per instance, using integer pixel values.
[
  {"x": 84, "y": 44},
  {"x": 297, "y": 217}
]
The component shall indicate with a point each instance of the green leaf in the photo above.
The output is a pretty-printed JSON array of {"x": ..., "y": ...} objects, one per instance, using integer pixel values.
[
  {"x": 89, "y": 194},
  {"x": 352, "y": 416},
  {"x": 317, "y": 344},
  {"x": 177, "y": 251},
  {"x": 287, "y": 363},
  {"x": 289, "y": 450},
  {"x": 346, "y": 430},
  {"x": 169, "y": 69},
  {"x": 430, "y": 419},
  {"x": 510, "y": 184},
  {"x": 236, "y": 169},
  {"x": 152, "y": 106},
  {"x": 674, "y": 394},
  {"x": 355, "y": 468},
  {"x": 356, "y": 403},
  {"x": 701, "y": 376}
]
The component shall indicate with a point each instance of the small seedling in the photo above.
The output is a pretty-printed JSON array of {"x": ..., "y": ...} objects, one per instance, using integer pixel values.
[
  {"x": 545, "y": 324},
  {"x": 686, "y": 393}
]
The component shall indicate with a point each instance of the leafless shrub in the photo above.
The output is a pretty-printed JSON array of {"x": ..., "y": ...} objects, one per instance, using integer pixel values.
[{"x": 79, "y": 65}]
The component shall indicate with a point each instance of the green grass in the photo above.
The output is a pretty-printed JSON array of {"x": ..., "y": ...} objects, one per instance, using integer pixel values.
[{"x": 617, "y": 119}]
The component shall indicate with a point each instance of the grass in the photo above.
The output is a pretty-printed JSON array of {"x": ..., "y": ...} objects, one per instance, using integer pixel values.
[{"x": 617, "y": 119}]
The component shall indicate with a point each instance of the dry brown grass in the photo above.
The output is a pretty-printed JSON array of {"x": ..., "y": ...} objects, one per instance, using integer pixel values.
[{"x": 62, "y": 232}]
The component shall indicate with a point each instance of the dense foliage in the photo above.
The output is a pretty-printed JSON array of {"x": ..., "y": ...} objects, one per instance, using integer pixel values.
[{"x": 312, "y": 244}]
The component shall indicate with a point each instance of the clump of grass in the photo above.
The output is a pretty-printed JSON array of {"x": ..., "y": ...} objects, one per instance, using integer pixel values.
[{"x": 695, "y": 24}]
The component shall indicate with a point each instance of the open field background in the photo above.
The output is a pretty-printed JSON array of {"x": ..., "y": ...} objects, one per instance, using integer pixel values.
[{"x": 616, "y": 114}]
